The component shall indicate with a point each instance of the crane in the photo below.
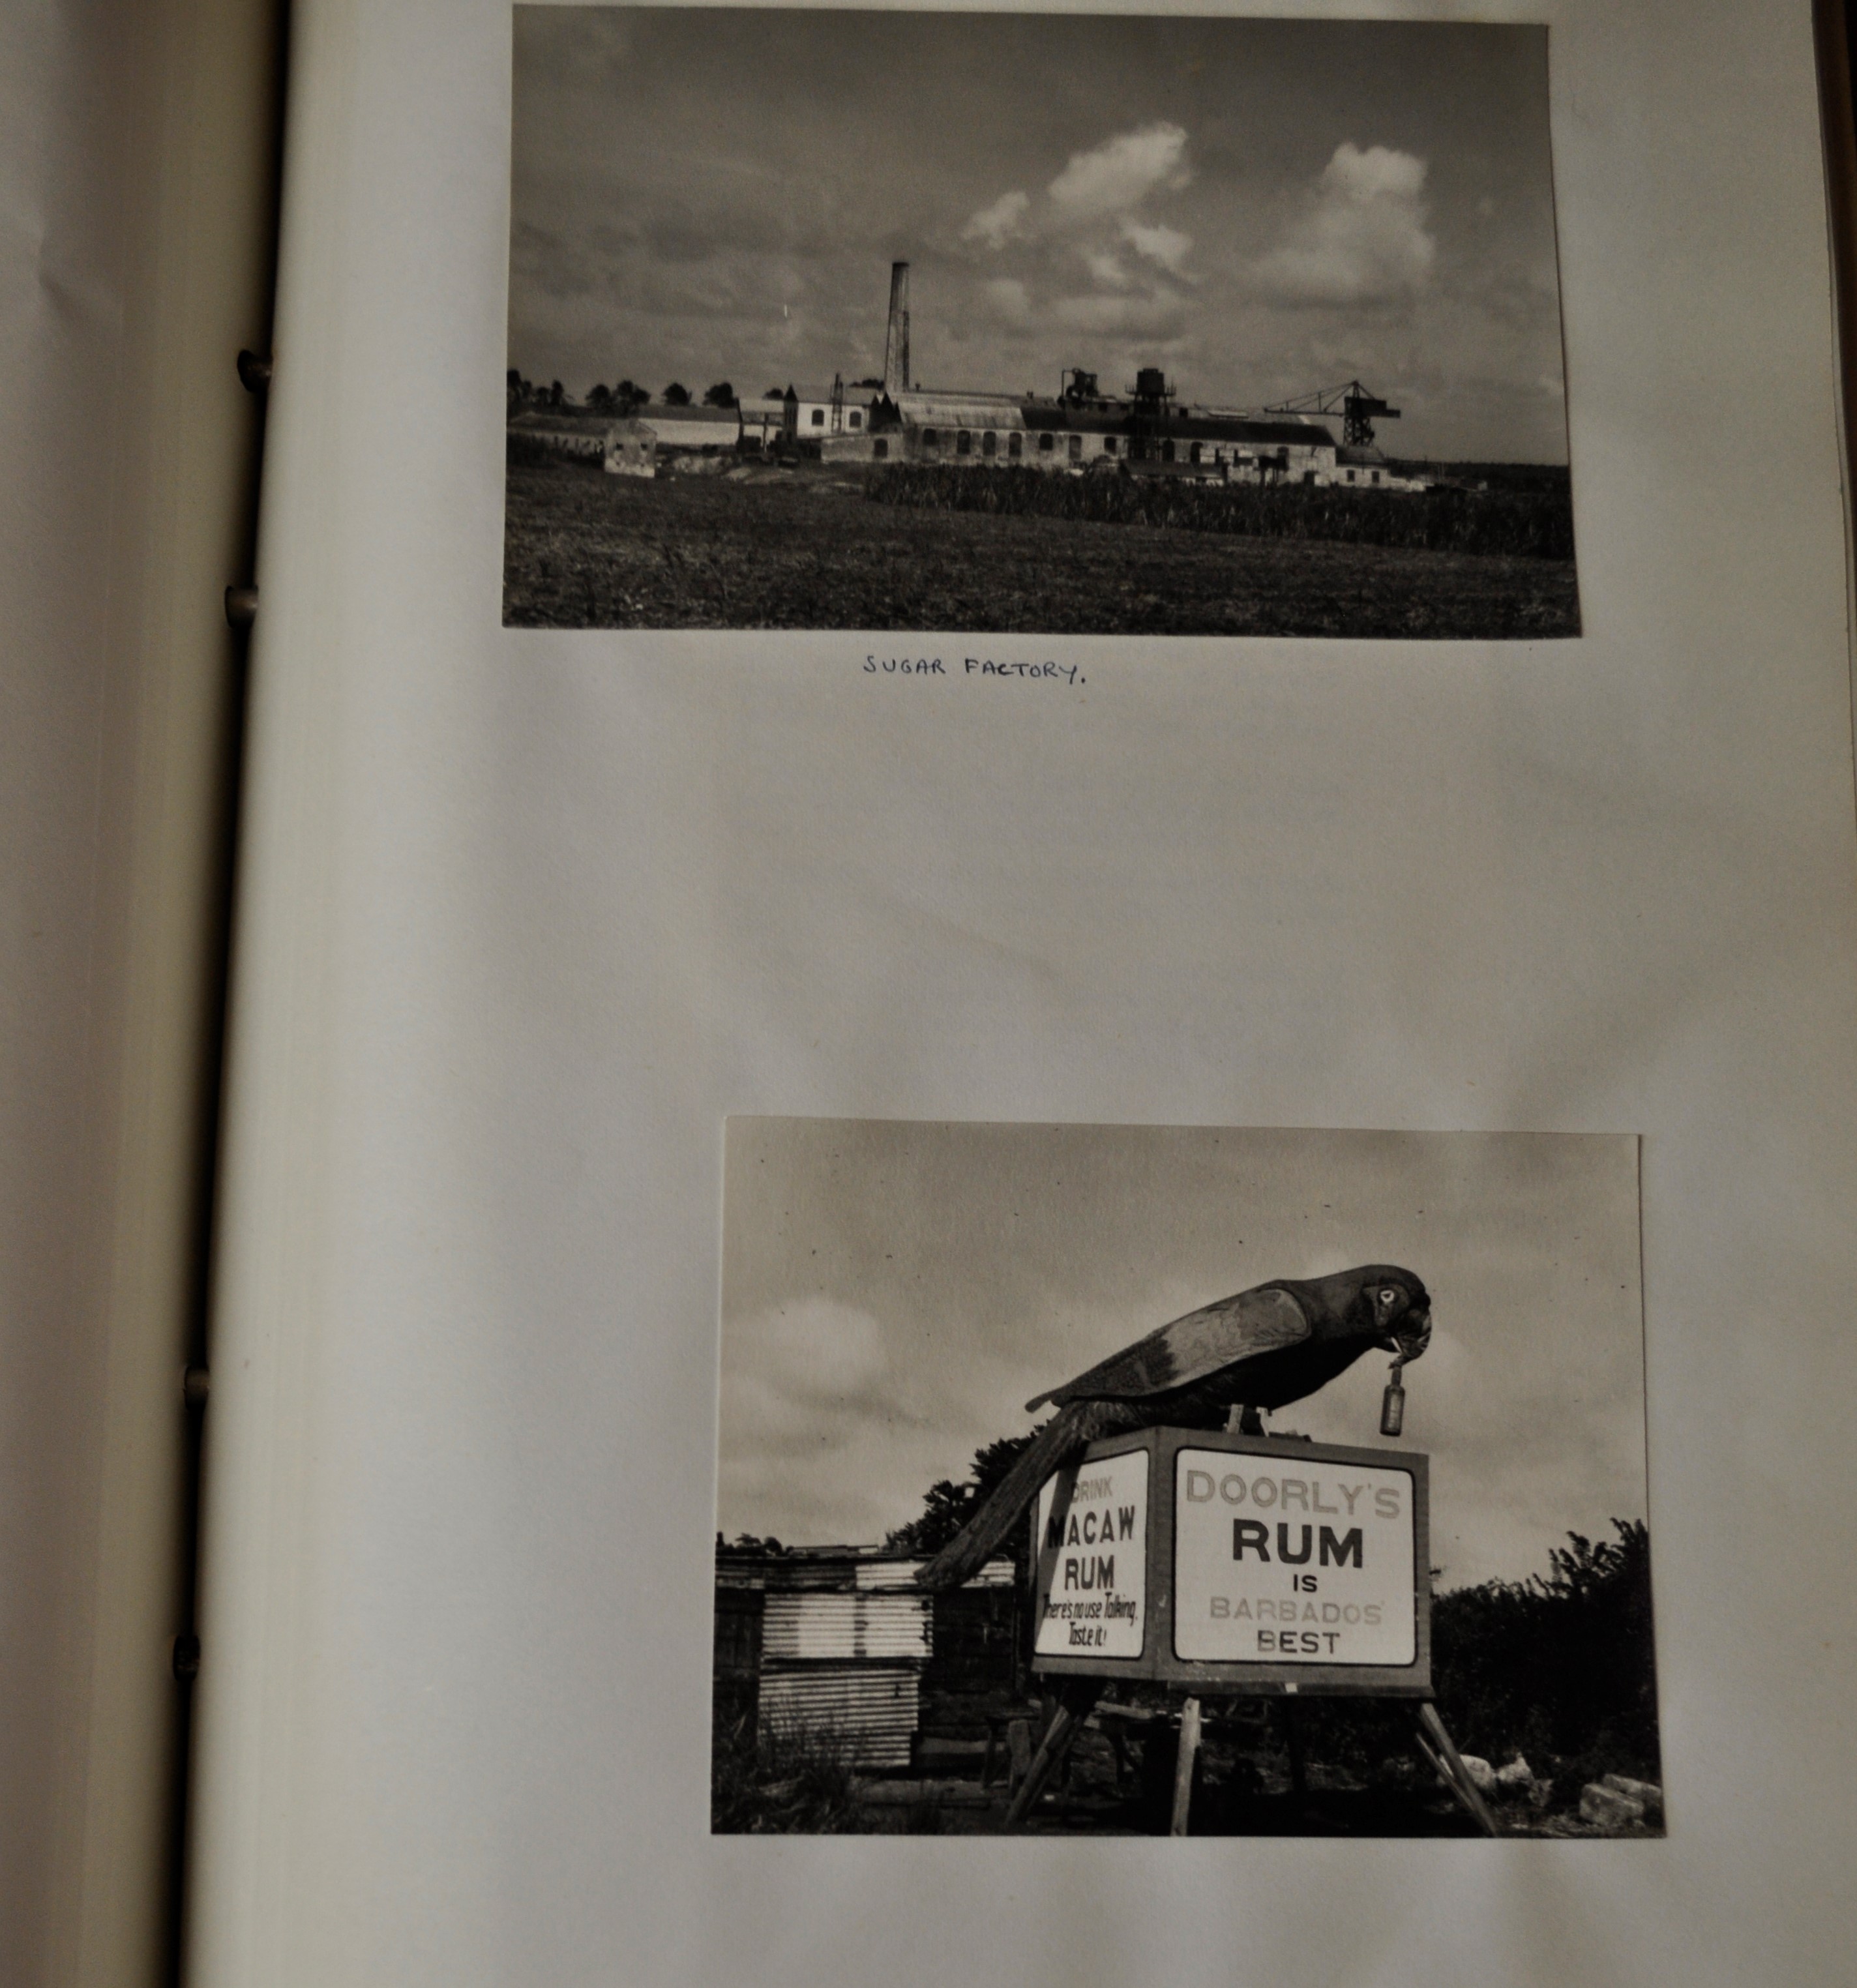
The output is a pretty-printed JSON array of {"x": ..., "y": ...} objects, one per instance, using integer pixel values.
[{"x": 1358, "y": 408}]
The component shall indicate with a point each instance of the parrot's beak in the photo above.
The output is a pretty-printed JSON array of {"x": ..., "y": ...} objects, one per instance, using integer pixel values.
[{"x": 1412, "y": 1342}]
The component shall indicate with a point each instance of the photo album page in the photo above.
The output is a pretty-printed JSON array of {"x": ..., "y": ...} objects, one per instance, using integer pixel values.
[{"x": 1043, "y": 1015}]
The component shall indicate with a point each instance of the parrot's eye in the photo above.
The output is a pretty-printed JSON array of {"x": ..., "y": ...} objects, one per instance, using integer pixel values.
[{"x": 1389, "y": 1296}]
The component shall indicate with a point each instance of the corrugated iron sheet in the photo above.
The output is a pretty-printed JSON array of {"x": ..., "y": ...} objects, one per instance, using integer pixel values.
[
  {"x": 880, "y": 1574},
  {"x": 890, "y": 1573},
  {"x": 868, "y": 1710},
  {"x": 959, "y": 410},
  {"x": 819, "y": 1625}
]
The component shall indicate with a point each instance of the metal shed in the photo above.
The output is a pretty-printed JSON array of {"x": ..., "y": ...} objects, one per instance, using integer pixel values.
[{"x": 837, "y": 1645}]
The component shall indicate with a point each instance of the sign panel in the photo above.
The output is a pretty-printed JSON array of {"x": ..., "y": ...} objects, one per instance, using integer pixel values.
[
  {"x": 1285, "y": 1559},
  {"x": 1092, "y": 1592}
]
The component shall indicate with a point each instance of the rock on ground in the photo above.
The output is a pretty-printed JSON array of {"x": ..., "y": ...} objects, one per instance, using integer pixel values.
[
  {"x": 1608, "y": 1808},
  {"x": 1649, "y": 1792}
]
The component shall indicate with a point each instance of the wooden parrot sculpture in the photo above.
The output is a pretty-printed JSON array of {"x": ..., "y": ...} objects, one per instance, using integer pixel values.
[{"x": 1262, "y": 1349}]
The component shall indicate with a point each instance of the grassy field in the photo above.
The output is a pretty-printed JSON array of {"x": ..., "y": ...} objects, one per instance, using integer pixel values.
[
  {"x": 805, "y": 549},
  {"x": 1532, "y": 523}
]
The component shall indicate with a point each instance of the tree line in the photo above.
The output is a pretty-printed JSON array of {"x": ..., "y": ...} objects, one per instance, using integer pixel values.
[{"x": 620, "y": 400}]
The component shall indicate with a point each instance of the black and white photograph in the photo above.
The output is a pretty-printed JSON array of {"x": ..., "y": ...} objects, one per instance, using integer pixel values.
[
  {"x": 1033, "y": 325},
  {"x": 1084, "y": 1480}
]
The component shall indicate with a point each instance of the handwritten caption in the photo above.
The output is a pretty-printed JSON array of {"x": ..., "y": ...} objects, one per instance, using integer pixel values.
[{"x": 971, "y": 666}]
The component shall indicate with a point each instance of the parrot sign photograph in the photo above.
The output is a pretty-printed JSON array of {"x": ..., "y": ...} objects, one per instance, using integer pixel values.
[{"x": 1338, "y": 1524}]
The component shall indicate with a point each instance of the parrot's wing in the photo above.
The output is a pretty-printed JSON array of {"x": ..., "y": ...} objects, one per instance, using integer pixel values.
[{"x": 1217, "y": 1335}]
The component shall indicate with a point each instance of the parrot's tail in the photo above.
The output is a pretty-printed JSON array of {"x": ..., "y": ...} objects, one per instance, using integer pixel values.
[{"x": 1059, "y": 1442}]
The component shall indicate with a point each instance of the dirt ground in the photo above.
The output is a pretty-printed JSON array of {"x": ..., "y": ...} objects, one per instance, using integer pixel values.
[
  {"x": 803, "y": 549},
  {"x": 1245, "y": 1789}
]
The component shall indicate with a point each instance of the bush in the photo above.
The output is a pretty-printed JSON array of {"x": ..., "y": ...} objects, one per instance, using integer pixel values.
[
  {"x": 521, "y": 447},
  {"x": 1560, "y": 1668},
  {"x": 798, "y": 1779},
  {"x": 1519, "y": 522}
]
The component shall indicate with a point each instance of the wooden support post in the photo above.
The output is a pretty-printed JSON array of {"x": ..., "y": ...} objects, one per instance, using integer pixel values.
[
  {"x": 1184, "y": 1762},
  {"x": 1019, "y": 1750},
  {"x": 1052, "y": 1748},
  {"x": 1442, "y": 1751},
  {"x": 1293, "y": 1737}
]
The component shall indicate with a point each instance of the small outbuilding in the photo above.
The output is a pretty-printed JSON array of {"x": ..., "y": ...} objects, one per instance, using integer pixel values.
[
  {"x": 839, "y": 1641},
  {"x": 631, "y": 449}
]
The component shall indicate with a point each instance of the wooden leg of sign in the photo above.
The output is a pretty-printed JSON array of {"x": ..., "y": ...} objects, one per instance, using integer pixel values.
[
  {"x": 1071, "y": 1713},
  {"x": 1293, "y": 1737},
  {"x": 1183, "y": 1766},
  {"x": 1441, "y": 1750},
  {"x": 1125, "y": 1767},
  {"x": 1018, "y": 1749}
]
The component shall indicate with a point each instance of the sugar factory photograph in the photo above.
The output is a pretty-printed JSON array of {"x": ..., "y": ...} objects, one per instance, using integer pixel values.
[{"x": 1033, "y": 325}]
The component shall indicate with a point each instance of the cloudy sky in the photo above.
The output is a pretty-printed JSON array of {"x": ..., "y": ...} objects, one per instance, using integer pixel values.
[
  {"x": 894, "y": 1293},
  {"x": 1262, "y": 207}
]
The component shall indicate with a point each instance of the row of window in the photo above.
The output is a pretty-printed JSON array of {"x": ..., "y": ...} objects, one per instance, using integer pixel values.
[
  {"x": 1015, "y": 443},
  {"x": 1139, "y": 446},
  {"x": 1047, "y": 443}
]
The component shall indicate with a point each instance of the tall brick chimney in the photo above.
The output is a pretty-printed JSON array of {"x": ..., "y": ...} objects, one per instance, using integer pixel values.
[{"x": 896, "y": 346}]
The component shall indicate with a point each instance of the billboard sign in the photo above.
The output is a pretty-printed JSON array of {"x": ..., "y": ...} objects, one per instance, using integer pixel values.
[
  {"x": 1092, "y": 1521},
  {"x": 1294, "y": 1560},
  {"x": 1245, "y": 1562}
]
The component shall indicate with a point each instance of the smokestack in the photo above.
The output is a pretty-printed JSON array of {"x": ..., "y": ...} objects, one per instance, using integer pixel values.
[{"x": 896, "y": 347}]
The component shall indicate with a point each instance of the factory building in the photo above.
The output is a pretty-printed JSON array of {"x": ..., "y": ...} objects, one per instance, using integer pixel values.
[
  {"x": 1070, "y": 434},
  {"x": 680, "y": 430},
  {"x": 808, "y": 414},
  {"x": 1080, "y": 429}
]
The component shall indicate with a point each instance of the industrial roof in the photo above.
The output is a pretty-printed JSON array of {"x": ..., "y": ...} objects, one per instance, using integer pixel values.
[
  {"x": 709, "y": 416},
  {"x": 854, "y": 397},
  {"x": 1225, "y": 427},
  {"x": 962, "y": 410},
  {"x": 839, "y": 1569},
  {"x": 1191, "y": 425}
]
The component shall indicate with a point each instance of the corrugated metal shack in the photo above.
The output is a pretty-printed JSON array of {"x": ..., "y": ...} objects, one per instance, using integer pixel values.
[{"x": 838, "y": 1640}]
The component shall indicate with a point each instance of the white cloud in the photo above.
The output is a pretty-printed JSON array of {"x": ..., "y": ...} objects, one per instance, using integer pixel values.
[
  {"x": 1116, "y": 176},
  {"x": 1006, "y": 297},
  {"x": 999, "y": 224},
  {"x": 1363, "y": 239},
  {"x": 1106, "y": 268},
  {"x": 1159, "y": 243},
  {"x": 810, "y": 1355},
  {"x": 1153, "y": 316}
]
